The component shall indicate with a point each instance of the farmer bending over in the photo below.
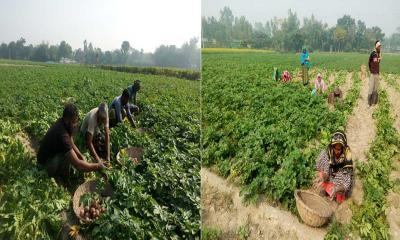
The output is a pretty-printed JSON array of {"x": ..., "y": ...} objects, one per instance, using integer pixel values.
[
  {"x": 335, "y": 96},
  {"x": 319, "y": 85},
  {"x": 119, "y": 109},
  {"x": 97, "y": 142},
  {"x": 335, "y": 168},
  {"x": 133, "y": 89},
  {"x": 276, "y": 74},
  {"x": 286, "y": 76},
  {"x": 57, "y": 150}
]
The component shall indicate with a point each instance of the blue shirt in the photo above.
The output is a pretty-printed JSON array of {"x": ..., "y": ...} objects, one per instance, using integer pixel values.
[
  {"x": 303, "y": 57},
  {"x": 132, "y": 94},
  {"x": 117, "y": 105}
]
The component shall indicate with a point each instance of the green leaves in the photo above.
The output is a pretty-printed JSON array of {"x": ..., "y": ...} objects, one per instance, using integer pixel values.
[
  {"x": 160, "y": 198},
  {"x": 259, "y": 130},
  {"x": 370, "y": 220}
]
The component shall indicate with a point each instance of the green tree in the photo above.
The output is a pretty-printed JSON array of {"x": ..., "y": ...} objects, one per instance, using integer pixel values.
[
  {"x": 41, "y": 53},
  {"x": 19, "y": 48},
  {"x": 226, "y": 24},
  {"x": 64, "y": 50},
  {"x": 242, "y": 30},
  {"x": 291, "y": 30},
  {"x": 349, "y": 25},
  {"x": 314, "y": 33},
  {"x": 125, "y": 46},
  {"x": 339, "y": 36}
]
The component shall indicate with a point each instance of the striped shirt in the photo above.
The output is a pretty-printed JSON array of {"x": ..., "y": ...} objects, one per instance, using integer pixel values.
[{"x": 343, "y": 177}]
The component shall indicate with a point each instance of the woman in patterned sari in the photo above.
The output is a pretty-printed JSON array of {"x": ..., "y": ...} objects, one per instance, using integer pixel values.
[{"x": 335, "y": 168}]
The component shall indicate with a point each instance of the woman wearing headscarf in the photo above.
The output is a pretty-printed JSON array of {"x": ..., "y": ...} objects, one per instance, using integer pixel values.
[
  {"x": 335, "y": 168},
  {"x": 319, "y": 85},
  {"x": 305, "y": 62}
]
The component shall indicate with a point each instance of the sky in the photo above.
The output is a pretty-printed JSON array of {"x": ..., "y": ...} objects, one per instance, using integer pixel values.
[
  {"x": 146, "y": 24},
  {"x": 383, "y": 13}
]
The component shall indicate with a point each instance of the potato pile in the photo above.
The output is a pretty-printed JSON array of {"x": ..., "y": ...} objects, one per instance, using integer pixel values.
[
  {"x": 135, "y": 161},
  {"x": 92, "y": 211}
]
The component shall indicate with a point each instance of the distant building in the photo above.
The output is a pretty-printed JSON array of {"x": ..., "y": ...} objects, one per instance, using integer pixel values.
[
  {"x": 208, "y": 42},
  {"x": 67, "y": 61}
]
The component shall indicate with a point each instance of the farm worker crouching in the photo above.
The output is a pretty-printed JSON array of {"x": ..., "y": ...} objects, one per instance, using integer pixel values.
[
  {"x": 373, "y": 63},
  {"x": 286, "y": 76},
  {"x": 58, "y": 151},
  {"x": 276, "y": 74},
  {"x": 319, "y": 85},
  {"x": 335, "y": 168},
  {"x": 97, "y": 142},
  {"x": 133, "y": 89},
  {"x": 305, "y": 63},
  {"x": 119, "y": 109},
  {"x": 335, "y": 96}
]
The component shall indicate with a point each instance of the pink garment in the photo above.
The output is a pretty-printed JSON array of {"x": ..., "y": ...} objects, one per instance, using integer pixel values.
[
  {"x": 320, "y": 85},
  {"x": 286, "y": 76}
]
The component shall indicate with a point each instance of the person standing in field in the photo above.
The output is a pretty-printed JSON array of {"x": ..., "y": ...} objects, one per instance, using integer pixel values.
[
  {"x": 305, "y": 63},
  {"x": 57, "y": 151},
  {"x": 97, "y": 142},
  {"x": 373, "y": 63},
  {"x": 119, "y": 109},
  {"x": 133, "y": 89}
]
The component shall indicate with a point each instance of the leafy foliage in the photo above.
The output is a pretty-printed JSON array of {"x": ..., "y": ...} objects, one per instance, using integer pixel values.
[
  {"x": 159, "y": 198},
  {"x": 259, "y": 131},
  {"x": 370, "y": 220}
]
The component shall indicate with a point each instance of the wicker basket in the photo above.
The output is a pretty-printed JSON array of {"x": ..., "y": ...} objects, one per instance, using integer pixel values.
[
  {"x": 89, "y": 186},
  {"x": 313, "y": 209},
  {"x": 133, "y": 152}
]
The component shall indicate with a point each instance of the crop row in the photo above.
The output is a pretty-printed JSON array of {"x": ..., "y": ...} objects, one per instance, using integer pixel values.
[
  {"x": 258, "y": 131},
  {"x": 178, "y": 73},
  {"x": 159, "y": 200}
]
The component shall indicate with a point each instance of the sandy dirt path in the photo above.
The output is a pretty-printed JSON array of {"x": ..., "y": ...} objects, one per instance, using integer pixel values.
[
  {"x": 360, "y": 132},
  {"x": 222, "y": 208},
  {"x": 347, "y": 84},
  {"x": 361, "y": 127}
]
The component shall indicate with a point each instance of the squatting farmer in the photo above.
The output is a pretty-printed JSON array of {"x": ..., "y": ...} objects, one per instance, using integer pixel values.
[
  {"x": 335, "y": 168},
  {"x": 119, "y": 109},
  {"x": 96, "y": 141},
  {"x": 373, "y": 63},
  {"x": 286, "y": 77},
  {"x": 57, "y": 151},
  {"x": 336, "y": 96},
  {"x": 276, "y": 74},
  {"x": 319, "y": 85}
]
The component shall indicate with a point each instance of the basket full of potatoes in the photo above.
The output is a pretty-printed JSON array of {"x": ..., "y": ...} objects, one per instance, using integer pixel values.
[{"x": 88, "y": 201}]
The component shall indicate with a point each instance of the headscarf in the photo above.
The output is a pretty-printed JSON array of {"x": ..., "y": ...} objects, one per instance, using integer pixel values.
[
  {"x": 345, "y": 157},
  {"x": 320, "y": 85}
]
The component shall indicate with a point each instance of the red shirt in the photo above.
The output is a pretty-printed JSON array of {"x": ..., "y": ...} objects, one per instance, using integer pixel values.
[{"x": 373, "y": 63}]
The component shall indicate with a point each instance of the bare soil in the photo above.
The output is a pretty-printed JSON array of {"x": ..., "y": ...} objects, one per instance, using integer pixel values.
[{"x": 222, "y": 208}]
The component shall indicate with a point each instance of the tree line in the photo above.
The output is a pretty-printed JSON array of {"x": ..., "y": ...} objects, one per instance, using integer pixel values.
[
  {"x": 288, "y": 34},
  {"x": 186, "y": 56}
]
